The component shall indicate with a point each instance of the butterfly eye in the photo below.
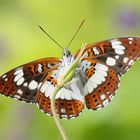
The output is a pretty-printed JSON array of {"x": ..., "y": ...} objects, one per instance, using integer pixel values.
[{"x": 67, "y": 55}]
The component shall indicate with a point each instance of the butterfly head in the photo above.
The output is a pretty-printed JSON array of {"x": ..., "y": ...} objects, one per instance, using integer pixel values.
[
  {"x": 66, "y": 52},
  {"x": 66, "y": 55}
]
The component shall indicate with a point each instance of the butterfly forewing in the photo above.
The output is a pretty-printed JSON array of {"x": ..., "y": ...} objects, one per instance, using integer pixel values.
[
  {"x": 119, "y": 53},
  {"x": 22, "y": 82}
]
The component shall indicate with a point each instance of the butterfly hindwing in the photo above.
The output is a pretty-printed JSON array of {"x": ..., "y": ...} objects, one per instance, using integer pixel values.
[
  {"x": 65, "y": 108},
  {"x": 22, "y": 82},
  {"x": 68, "y": 103},
  {"x": 101, "y": 83}
]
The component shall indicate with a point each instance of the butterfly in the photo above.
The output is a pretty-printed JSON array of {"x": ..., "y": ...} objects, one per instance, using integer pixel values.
[{"x": 94, "y": 83}]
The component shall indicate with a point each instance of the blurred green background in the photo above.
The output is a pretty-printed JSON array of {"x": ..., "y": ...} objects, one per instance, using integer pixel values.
[{"x": 21, "y": 41}]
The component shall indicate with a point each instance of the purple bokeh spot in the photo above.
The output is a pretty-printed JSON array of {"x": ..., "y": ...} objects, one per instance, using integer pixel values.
[{"x": 127, "y": 18}]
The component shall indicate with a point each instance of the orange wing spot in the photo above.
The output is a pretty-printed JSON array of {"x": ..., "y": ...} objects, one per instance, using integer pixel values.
[
  {"x": 5, "y": 88},
  {"x": 101, "y": 49},
  {"x": 44, "y": 66},
  {"x": 107, "y": 89},
  {"x": 49, "y": 78},
  {"x": 53, "y": 81},
  {"x": 89, "y": 72},
  {"x": 31, "y": 69},
  {"x": 43, "y": 103},
  {"x": 90, "y": 52}
]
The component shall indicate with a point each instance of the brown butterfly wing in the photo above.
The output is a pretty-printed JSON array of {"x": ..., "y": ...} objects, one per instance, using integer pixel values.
[
  {"x": 119, "y": 53},
  {"x": 22, "y": 82}
]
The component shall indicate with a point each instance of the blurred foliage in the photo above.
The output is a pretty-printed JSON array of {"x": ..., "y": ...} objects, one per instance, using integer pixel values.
[{"x": 22, "y": 41}]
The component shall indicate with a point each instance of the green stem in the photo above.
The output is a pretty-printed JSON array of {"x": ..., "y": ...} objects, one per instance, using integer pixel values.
[
  {"x": 69, "y": 73},
  {"x": 61, "y": 130}
]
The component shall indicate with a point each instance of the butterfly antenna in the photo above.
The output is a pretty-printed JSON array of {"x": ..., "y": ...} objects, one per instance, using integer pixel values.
[
  {"x": 76, "y": 33},
  {"x": 50, "y": 37}
]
